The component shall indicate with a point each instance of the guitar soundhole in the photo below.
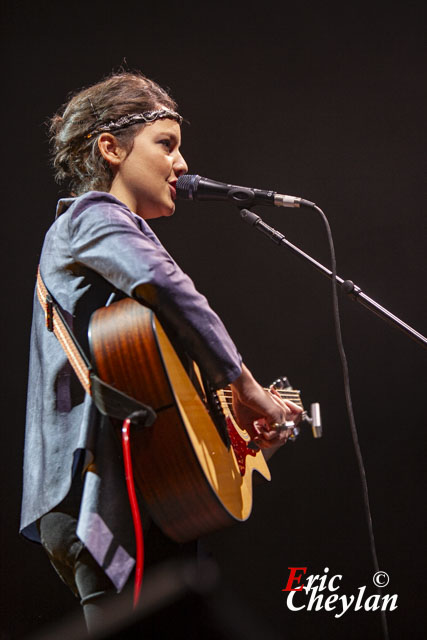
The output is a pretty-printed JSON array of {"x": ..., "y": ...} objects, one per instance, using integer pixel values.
[{"x": 216, "y": 412}]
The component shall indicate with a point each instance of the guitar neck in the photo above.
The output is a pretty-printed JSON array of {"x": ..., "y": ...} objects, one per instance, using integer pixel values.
[{"x": 286, "y": 394}]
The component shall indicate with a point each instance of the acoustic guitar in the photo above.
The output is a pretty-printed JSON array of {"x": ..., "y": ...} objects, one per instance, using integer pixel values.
[{"x": 194, "y": 465}]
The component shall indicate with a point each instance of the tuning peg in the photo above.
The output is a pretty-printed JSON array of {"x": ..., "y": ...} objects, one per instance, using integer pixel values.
[{"x": 281, "y": 383}]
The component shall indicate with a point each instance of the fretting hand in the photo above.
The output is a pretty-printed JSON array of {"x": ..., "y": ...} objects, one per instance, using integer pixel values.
[{"x": 260, "y": 411}]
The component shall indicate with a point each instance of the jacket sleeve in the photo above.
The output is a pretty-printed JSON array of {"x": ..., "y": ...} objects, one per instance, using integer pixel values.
[{"x": 107, "y": 238}]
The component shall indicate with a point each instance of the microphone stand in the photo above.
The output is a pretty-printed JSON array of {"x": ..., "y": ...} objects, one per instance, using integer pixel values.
[{"x": 347, "y": 286}]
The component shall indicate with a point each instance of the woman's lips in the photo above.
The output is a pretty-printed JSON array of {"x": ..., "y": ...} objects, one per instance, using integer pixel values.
[{"x": 173, "y": 191}]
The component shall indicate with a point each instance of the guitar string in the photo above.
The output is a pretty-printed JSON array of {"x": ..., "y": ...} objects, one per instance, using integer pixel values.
[
  {"x": 283, "y": 394},
  {"x": 290, "y": 395}
]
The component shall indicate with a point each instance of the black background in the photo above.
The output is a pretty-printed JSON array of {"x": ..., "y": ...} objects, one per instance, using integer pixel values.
[{"x": 323, "y": 101}]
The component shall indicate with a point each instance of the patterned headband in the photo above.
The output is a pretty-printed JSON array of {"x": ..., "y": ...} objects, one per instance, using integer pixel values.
[{"x": 134, "y": 118}]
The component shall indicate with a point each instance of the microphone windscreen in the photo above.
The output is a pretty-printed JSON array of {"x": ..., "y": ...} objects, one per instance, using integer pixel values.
[{"x": 186, "y": 186}]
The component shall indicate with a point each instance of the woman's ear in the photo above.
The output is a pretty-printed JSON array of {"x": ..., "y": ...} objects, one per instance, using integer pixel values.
[{"x": 110, "y": 149}]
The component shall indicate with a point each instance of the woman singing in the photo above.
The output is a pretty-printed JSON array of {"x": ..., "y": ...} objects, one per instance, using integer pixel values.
[{"x": 117, "y": 143}]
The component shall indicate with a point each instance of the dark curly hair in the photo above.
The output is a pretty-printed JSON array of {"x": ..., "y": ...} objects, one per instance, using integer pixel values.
[{"x": 76, "y": 158}]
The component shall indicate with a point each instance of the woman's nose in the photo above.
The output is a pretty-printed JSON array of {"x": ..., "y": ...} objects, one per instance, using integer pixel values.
[{"x": 180, "y": 166}]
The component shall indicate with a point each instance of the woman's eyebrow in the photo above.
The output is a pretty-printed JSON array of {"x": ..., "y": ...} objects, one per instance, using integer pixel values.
[{"x": 168, "y": 134}]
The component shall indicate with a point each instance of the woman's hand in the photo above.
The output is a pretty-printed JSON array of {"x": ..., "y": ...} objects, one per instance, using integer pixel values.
[{"x": 259, "y": 411}]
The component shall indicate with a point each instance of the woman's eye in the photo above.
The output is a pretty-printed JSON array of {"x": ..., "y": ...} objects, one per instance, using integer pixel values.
[{"x": 166, "y": 143}]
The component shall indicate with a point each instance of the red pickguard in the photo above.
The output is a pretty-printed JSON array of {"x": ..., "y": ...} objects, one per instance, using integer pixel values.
[{"x": 241, "y": 449}]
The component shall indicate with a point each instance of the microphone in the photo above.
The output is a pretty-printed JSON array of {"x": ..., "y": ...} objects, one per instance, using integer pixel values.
[{"x": 197, "y": 188}]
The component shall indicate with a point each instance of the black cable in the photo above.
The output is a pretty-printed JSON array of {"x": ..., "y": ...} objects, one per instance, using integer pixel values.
[{"x": 350, "y": 412}]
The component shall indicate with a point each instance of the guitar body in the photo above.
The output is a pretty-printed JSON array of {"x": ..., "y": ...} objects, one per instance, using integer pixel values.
[{"x": 191, "y": 482}]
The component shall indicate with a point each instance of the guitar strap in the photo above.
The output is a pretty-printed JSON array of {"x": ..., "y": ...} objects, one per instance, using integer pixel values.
[{"x": 108, "y": 400}]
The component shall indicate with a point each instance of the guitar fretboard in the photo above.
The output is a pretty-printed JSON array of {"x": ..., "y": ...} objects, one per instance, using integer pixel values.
[{"x": 287, "y": 394}]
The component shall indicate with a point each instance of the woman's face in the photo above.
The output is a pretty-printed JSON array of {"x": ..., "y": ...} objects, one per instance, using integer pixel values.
[{"x": 145, "y": 179}]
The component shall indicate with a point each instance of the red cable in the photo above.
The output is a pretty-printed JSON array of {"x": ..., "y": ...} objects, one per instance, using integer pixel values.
[{"x": 139, "y": 567}]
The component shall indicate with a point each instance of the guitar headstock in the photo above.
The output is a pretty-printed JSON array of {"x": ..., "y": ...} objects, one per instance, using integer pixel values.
[{"x": 286, "y": 391}]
